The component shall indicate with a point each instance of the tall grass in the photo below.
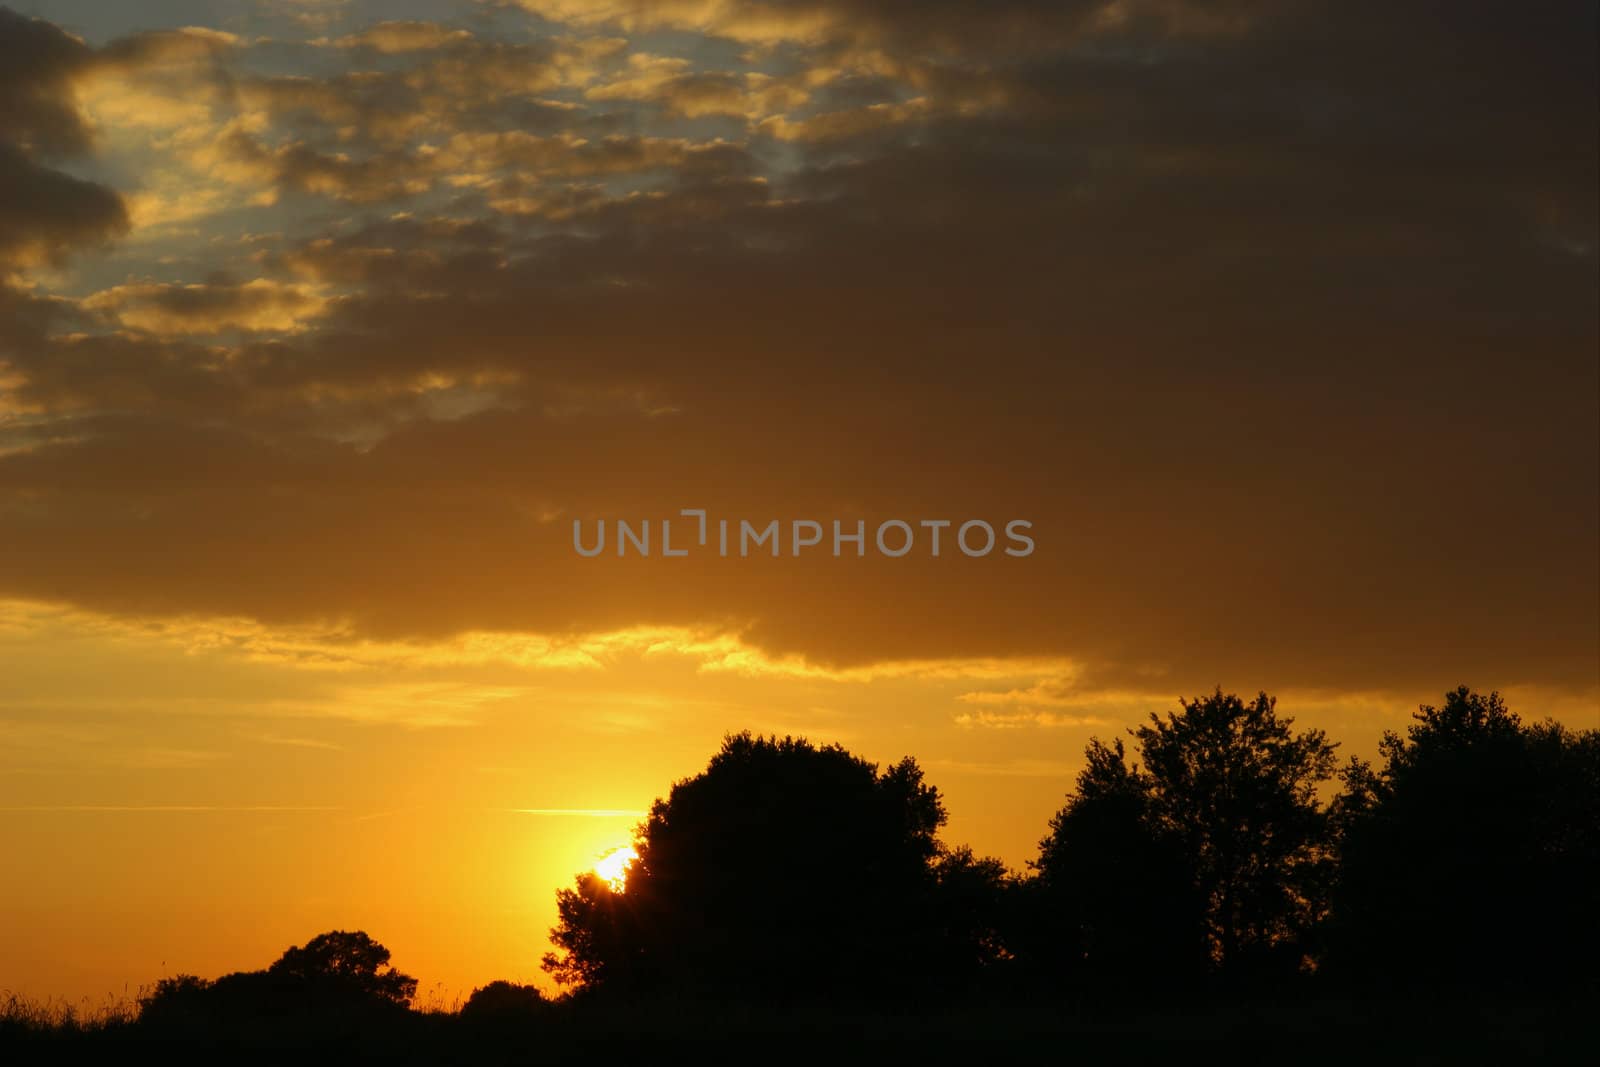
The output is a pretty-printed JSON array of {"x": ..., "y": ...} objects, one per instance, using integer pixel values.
[{"x": 21, "y": 1016}]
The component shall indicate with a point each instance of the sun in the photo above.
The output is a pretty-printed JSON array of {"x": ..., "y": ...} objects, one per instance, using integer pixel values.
[{"x": 613, "y": 866}]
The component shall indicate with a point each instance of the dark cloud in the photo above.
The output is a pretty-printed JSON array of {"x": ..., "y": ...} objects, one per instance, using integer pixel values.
[
  {"x": 44, "y": 212},
  {"x": 1279, "y": 323},
  {"x": 37, "y": 64}
]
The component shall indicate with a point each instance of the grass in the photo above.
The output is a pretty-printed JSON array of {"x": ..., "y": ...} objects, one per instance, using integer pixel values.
[
  {"x": 21, "y": 1016},
  {"x": 1315, "y": 1030}
]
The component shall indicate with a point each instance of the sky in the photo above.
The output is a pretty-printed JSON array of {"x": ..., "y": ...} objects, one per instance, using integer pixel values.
[{"x": 322, "y": 321}]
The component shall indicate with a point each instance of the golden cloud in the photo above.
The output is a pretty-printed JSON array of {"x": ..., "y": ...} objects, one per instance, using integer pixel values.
[
  {"x": 255, "y": 305},
  {"x": 392, "y": 38}
]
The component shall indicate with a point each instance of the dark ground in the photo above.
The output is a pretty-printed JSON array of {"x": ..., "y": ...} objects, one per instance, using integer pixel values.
[{"x": 1404, "y": 1030}]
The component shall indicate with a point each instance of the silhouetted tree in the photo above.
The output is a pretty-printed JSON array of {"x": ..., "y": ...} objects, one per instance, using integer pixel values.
[
  {"x": 1114, "y": 903},
  {"x": 783, "y": 870},
  {"x": 1238, "y": 789},
  {"x": 972, "y": 899},
  {"x": 336, "y": 979},
  {"x": 1216, "y": 847},
  {"x": 179, "y": 1002},
  {"x": 1472, "y": 855},
  {"x": 504, "y": 1004},
  {"x": 348, "y": 963}
]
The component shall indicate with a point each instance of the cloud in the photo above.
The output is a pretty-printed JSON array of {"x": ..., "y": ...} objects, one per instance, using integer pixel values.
[
  {"x": 38, "y": 63},
  {"x": 948, "y": 29},
  {"x": 1236, "y": 304},
  {"x": 158, "y": 48},
  {"x": 300, "y": 742},
  {"x": 861, "y": 21},
  {"x": 457, "y": 80},
  {"x": 300, "y": 167},
  {"x": 995, "y": 720},
  {"x": 257, "y": 305},
  {"x": 343, "y": 649},
  {"x": 833, "y": 125},
  {"x": 306, "y": 14},
  {"x": 392, "y": 38},
  {"x": 45, "y": 213},
  {"x": 673, "y": 84},
  {"x": 469, "y": 156}
]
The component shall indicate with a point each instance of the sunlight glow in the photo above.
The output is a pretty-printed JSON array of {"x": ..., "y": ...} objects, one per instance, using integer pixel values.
[{"x": 613, "y": 867}]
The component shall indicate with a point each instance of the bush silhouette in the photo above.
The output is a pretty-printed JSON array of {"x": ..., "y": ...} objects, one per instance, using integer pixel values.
[
  {"x": 179, "y": 1002},
  {"x": 504, "y": 1004}
]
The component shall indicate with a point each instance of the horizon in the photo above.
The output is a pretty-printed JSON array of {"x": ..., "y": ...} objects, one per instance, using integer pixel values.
[{"x": 529, "y": 926}]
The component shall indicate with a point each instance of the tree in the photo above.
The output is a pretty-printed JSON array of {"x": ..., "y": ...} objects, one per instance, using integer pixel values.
[
  {"x": 335, "y": 980},
  {"x": 1237, "y": 787},
  {"x": 783, "y": 870},
  {"x": 973, "y": 896},
  {"x": 1216, "y": 848},
  {"x": 1470, "y": 856},
  {"x": 504, "y": 1004},
  {"x": 348, "y": 963},
  {"x": 596, "y": 936},
  {"x": 177, "y": 1002},
  {"x": 1114, "y": 900}
]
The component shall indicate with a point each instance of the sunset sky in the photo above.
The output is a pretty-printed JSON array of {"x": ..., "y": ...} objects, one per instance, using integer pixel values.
[{"x": 1277, "y": 320}]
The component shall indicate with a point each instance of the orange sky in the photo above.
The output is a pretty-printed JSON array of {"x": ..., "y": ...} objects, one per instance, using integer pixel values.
[{"x": 317, "y": 331}]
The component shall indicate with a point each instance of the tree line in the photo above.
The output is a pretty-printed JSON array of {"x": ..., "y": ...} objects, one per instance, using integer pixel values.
[
  {"x": 1216, "y": 848},
  {"x": 1217, "y": 845}
]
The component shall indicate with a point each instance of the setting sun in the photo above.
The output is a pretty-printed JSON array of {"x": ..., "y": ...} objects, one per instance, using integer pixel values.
[{"x": 613, "y": 866}]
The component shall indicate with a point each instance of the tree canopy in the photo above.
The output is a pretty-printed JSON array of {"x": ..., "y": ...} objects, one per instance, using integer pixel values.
[
  {"x": 1470, "y": 855},
  {"x": 783, "y": 869},
  {"x": 336, "y": 978},
  {"x": 1114, "y": 901},
  {"x": 1213, "y": 846},
  {"x": 350, "y": 962}
]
